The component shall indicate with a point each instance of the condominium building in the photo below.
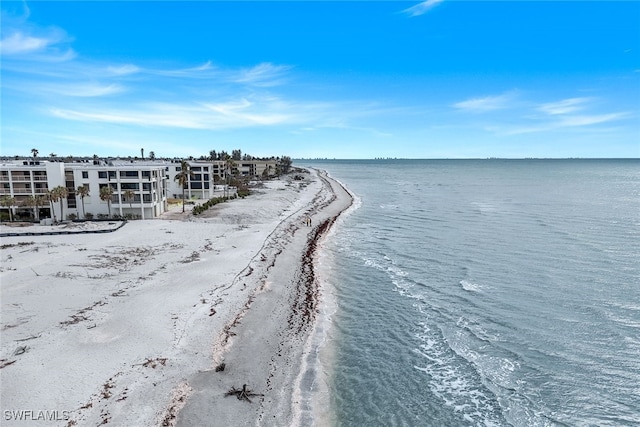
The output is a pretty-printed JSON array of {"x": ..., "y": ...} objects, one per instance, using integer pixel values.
[
  {"x": 209, "y": 176},
  {"x": 140, "y": 188},
  {"x": 144, "y": 184}
]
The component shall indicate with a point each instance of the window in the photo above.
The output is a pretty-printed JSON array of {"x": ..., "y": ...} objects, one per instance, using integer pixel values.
[
  {"x": 129, "y": 186},
  {"x": 197, "y": 177},
  {"x": 102, "y": 174},
  {"x": 206, "y": 177},
  {"x": 206, "y": 185},
  {"x": 134, "y": 199},
  {"x": 196, "y": 168},
  {"x": 196, "y": 185},
  {"x": 112, "y": 174},
  {"x": 178, "y": 168},
  {"x": 146, "y": 186},
  {"x": 146, "y": 197},
  {"x": 128, "y": 174},
  {"x": 71, "y": 200},
  {"x": 146, "y": 174},
  {"x": 85, "y": 175}
]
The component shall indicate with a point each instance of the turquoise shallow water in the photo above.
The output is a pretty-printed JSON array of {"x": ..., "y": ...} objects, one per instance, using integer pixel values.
[{"x": 486, "y": 292}]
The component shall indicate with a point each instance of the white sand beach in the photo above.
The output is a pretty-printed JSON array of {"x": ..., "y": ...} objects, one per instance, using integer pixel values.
[{"x": 133, "y": 327}]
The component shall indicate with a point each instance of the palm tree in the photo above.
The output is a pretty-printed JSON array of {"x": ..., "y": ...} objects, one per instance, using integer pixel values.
[
  {"x": 40, "y": 201},
  {"x": 7, "y": 202},
  {"x": 53, "y": 197},
  {"x": 183, "y": 177},
  {"x": 229, "y": 164},
  {"x": 61, "y": 194},
  {"x": 31, "y": 202},
  {"x": 34, "y": 151},
  {"x": 105, "y": 195},
  {"x": 285, "y": 164},
  {"x": 35, "y": 202},
  {"x": 83, "y": 192},
  {"x": 129, "y": 196}
]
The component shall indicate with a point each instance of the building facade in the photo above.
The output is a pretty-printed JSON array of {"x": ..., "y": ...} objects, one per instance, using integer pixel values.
[
  {"x": 144, "y": 184},
  {"x": 140, "y": 188},
  {"x": 210, "y": 176}
]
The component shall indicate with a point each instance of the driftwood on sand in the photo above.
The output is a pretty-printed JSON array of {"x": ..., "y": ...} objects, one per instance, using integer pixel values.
[{"x": 242, "y": 394}]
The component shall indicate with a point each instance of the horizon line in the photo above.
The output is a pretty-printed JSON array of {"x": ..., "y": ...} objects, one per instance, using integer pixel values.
[{"x": 466, "y": 158}]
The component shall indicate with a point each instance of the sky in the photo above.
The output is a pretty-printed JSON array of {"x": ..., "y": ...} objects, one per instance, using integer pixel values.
[{"x": 321, "y": 79}]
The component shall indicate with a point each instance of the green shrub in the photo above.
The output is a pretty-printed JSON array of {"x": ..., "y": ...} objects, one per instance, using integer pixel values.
[{"x": 197, "y": 210}]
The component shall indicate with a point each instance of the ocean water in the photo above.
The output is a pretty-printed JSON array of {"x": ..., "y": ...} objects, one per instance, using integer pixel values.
[{"x": 485, "y": 293}]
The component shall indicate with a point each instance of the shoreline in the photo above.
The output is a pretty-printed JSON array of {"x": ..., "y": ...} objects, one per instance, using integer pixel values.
[
  {"x": 272, "y": 335},
  {"x": 312, "y": 390},
  {"x": 128, "y": 328}
]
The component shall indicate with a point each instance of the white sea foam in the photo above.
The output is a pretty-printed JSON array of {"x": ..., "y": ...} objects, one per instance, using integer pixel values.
[
  {"x": 454, "y": 387},
  {"x": 471, "y": 287}
]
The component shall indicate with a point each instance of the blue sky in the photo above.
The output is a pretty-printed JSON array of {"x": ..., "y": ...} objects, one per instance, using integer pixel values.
[{"x": 438, "y": 79}]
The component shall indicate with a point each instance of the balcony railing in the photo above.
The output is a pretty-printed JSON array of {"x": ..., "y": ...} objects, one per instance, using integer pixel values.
[
  {"x": 23, "y": 178},
  {"x": 24, "y": 191}
]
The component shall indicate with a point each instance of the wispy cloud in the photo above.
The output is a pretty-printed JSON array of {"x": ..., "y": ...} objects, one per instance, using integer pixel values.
[
  {"x": 594, "y": 119},
  {"x": 265, "y": 74},
  {"x": 245, "y": 113},
  {"x": 48, "y": 46},
  {"x": 422, "y": 8},
  {"x": 200, "y": 71},
  {"x": 563, "y": 113},
  {"x": 230, "y": 114},
  {"x": 564, "y": 106},
  {"x": 123, "y": 70},
  {"x": 487, "y": 103},
  {"x": 18, "y": 43},
  {"x": 82, "y": 90},
  {"x": 558, "y": 116}
]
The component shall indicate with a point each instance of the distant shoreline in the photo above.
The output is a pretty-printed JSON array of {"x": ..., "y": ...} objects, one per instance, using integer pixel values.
[{"x": 399, "y": 159}]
